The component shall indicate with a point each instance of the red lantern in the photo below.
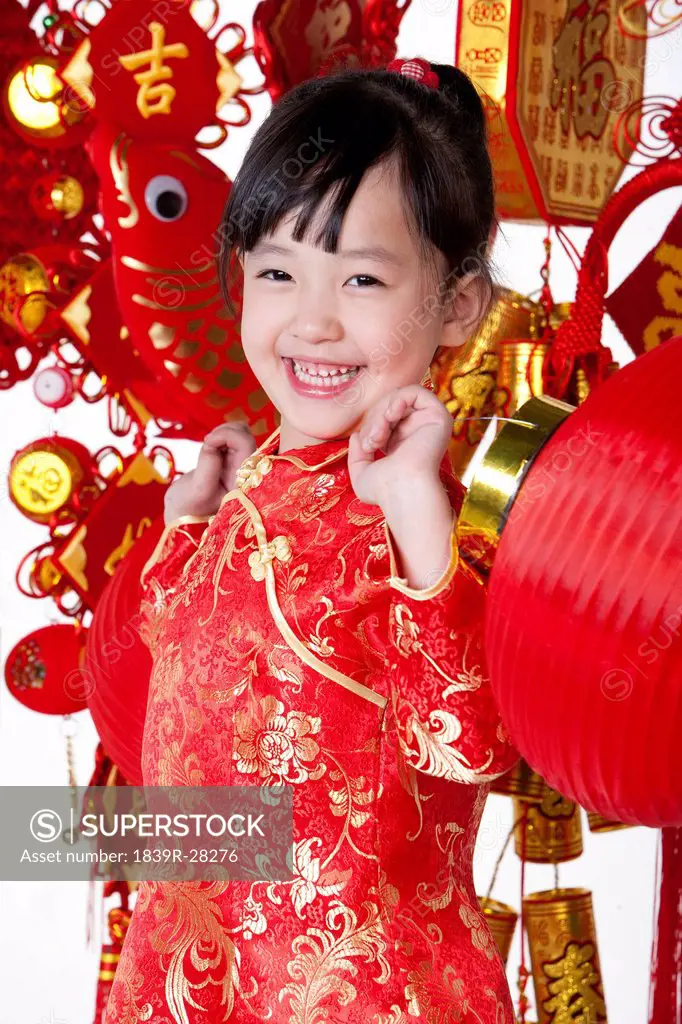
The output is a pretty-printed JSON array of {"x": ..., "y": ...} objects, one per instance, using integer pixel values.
[
  {"x": 43, "y": 670},
  {"x": 118, "y": 664},
  {"x": 584, "y": 613}
]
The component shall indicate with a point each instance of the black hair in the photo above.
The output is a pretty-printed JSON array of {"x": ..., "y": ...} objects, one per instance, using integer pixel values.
[{"x": 353, "y": 120}]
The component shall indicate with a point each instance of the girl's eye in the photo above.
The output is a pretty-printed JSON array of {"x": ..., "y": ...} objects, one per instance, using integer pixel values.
[
  {"x": 264, "y": 273},
  {"x": 366, "y": 277}
]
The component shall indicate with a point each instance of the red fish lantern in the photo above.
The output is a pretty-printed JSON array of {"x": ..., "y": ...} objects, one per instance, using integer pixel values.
[
  {"x": 162, "y": 204},
  {"x": 584, "y": 613},
  {"x": 152, "y": 79}
]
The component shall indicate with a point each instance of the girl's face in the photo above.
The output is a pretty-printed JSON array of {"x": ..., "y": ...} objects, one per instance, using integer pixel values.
[{"x": 370, "y": 306}]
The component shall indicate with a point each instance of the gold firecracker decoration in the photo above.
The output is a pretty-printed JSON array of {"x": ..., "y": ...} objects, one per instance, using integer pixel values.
[
  {"x": 598, "y": 824},
  {"x": 522, "y": 782},
  {"x": 501, "y": 919},
  {"x": 553, "y": 829},
  {"x": 118, "y": 922},
  {"x": 465, "y": 379},
  {"x": 563, "y": 950},
  {"x": 43, "y": 477},
  {"x": 520, "y": 372},
  {"x": 554, "y": 78},
  {"x": 496, "y": 370}
]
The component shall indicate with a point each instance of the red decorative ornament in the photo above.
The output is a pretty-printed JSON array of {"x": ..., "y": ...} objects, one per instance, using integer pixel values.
[
  {"x": 584, "y": 613},
  {"x": 43, "y": 670},
  {"x": 57, "y": 197},
  {"x": 417, "y": 68},
  {"x": 154, "y": 73},
  {"x": 53, "y": 479},
  {"x": 295, "y": 42},
  {"x": 118, "y": 664},
  {"x": 53, "y": 387}
]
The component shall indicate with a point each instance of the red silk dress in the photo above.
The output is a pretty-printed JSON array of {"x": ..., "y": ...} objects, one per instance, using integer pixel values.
[{"x": 288, "y": 649}]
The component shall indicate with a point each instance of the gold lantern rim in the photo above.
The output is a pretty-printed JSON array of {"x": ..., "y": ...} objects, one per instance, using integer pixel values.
[
  {"x": 496, "y": 483},
  {"x": 537, "y": 901},
  {"x": 502, "y": 911}
]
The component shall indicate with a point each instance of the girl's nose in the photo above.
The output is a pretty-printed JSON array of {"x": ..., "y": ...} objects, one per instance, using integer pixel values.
[{"x": 316, "y": 320}]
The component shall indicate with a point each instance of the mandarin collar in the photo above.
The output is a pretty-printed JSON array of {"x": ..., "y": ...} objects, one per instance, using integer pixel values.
[{"x": 311, "y": 457}]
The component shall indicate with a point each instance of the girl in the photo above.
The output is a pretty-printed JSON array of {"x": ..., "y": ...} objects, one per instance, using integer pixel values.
[{"x": 311, "y": 620}]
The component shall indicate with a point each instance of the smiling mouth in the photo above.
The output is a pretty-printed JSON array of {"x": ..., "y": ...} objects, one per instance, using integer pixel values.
[{"x": 328, "y": 377}]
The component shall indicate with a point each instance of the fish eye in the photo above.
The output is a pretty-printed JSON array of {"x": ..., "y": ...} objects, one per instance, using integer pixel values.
[{"x": 165, "y": 197}]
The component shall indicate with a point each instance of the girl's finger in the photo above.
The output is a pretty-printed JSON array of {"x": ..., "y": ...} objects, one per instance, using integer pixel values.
[
  {"x": 379, "y": 432},
  {"x": 357, "y": 455},
  {"x": 226, "y": 434}
]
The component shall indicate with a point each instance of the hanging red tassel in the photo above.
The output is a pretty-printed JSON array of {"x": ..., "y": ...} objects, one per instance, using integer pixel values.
[
  {"x": 118, "y": 920},
  {"x": 665, "y": 996}
]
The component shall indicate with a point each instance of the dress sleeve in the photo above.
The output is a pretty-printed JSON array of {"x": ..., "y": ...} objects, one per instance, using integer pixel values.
[
  {"x": 162, "y": 570},
  {"x": 446, "y": 716}
]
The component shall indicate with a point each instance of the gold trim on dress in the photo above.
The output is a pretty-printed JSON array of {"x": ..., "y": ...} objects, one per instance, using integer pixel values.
[
  {"x": 297, "y": 646},
  {"x": 400, "y": 582},
  {"x": 304, "y": 465},
  {"x": 154, "y": 557},
  {"x": 300, "y": 463}
]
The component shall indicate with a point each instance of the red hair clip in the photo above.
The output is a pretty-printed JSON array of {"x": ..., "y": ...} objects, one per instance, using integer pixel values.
[{"x": 417, "y": 68}]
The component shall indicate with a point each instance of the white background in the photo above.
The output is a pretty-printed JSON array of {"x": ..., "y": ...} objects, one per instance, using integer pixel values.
[{"x": 48, "y": 970}]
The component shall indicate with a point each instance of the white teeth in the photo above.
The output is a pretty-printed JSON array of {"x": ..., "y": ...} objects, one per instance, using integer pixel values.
[{"x": 325, "y": 377}]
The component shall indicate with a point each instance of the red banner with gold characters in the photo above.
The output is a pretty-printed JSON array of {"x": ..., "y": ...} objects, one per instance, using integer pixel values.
[
  {"x": 152, "y": 70},
  {"x": 555, "y": 76},
  {"x": 656, "y": 316}
]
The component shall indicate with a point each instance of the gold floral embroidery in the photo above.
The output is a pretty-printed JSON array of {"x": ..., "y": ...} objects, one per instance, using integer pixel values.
[
  {"x": 167, "y": 671},
  {"x": 275, "y": 745},
  {"x": 430, "y": 747},
  {"x": 191, "y": 931},
  {"x": 407, "y": 634},
  {"x": 436, "y": 1000},
  {"x": 449, "y": 841},
  {"x": 279, "y": 547},
  {"x": 126, "y": 1005},
  {"x": 252, "y": 470},
  {"x": 321, "y": 959},
  {"x": 174, "y": 770},
  {"x": 388, "y": 897},
  {"x": 310, "y": 880},
  {"x": 306, "y": 500},
  {"x": 255, "y": 922},
  {"x": 293, "y": 641},
  {"x": 394, "y": 1016},
  {"x": 480, "y": 934},
  {"x": 321, "y": 645},
  {"x": 352, "y": 795}
]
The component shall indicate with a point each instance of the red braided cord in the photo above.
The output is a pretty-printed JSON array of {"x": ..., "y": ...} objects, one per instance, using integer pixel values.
[{"x": 580, "y": 335}]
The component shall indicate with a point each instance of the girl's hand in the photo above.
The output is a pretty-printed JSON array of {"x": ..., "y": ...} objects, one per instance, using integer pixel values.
[
  {"x": 413, "y": 427},
  {"x": 199, "y": 492}
]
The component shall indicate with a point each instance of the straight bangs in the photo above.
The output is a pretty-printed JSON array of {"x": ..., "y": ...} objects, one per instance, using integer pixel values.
[{"x": 319, "y": 141}]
